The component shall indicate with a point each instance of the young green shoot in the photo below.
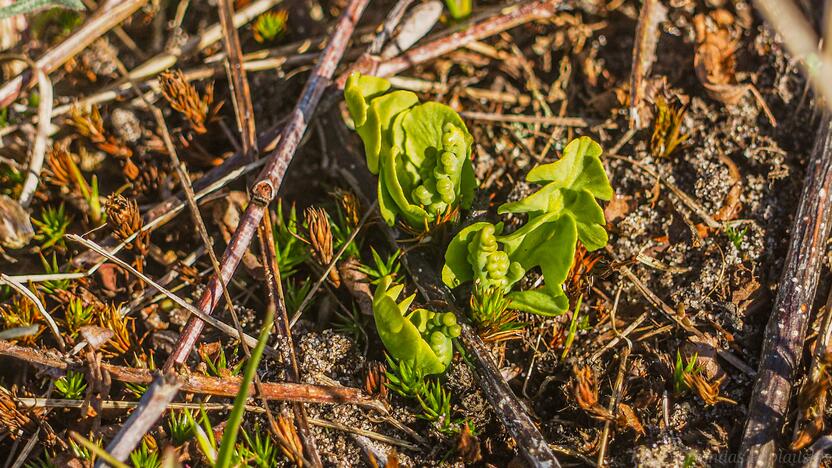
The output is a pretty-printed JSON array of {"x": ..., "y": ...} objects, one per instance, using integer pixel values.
[
  {"x": 404, "y": 379},
  {"x": 232, "y": 428},
  {"x": 180, "y": 429},
  {"x": 53, "y": 286},
  {"x": 681, "y": 369},
  {"x": 51, "y": 227},
  {"x": 145, "y": 457},
  {"x": 270, "y": 26},
  {"x": 735, "y": 235},
  {"x": 71, "y": 386},
  {"x": 290, "y": 251},
  {"x": 383, "y": 267},
  {"x": 459, "y": 9}
]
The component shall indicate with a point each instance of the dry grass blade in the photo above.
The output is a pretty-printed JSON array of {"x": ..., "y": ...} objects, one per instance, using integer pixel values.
[
  {"x": 53, "y": 327},
  {"x": 229, "y": 330},
  {"x": 30, "y": 184}
]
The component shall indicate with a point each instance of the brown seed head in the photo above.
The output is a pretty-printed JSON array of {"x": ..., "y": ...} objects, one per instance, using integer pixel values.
[
  {"x": 320, "y": 237},
  {"x": 184, "y": 98}
]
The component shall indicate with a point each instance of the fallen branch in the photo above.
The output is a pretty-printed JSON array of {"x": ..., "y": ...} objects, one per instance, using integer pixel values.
[
  {"x": 205, "y": 385},
  {"x": 786, "y": 329}
]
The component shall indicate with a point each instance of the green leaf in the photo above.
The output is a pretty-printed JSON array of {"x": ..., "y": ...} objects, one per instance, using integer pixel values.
[
  {"x": 548, "y": 242},
  {"x": 574, "y": 182},
  {"x": 400, "y": 336},
  {"x": 579, "y": 168},
  {"x": 541, "y": 301},
  {"x": 232, "y": 427},
  {"x": 457, "y": 269},
  {"x": 375, "y": 131},
  {"x": 358, "y": 90},
  {"x": 414, "y": 215}
]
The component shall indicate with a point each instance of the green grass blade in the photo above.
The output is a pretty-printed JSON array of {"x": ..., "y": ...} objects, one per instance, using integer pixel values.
[{"x": 229, "y": 437}]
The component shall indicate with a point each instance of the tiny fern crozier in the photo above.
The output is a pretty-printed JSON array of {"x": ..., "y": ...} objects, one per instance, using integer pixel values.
[{"x": 562, "y": 212}]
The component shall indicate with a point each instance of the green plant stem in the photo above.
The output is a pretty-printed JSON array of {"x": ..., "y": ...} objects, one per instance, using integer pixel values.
[{"x": 229, "y": 438}]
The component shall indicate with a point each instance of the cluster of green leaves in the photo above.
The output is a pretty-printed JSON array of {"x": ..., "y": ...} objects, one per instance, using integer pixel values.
[
  {"x": 71, "y": 386},
  {"x": 145, "y": 457},
  {"x": 51, "y": 226},
  {"x": 421, "y": 152},
  {"x": 383, "y": 267},
  {"x": 559, "y": 214},
  {"x": 77, "y": 315},
  {"x": 289, "y": 248},
  {"x": 270, "y": 25},
  {"x": 410, "y": 381},
  {"x": 421, "y": 338},
  {"x": 53, "y": 286}
]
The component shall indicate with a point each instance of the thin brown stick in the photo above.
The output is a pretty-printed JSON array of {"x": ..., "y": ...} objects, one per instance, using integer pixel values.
[
  {"x": 683, "y": 322},
  {"x": 510, "y": 17},
  {"x": 786, "y": 329},
  {"x": 576, "y": 122},
  {"x": 156, "y": 398},
  {"x": 110, "y": 14},
  {"x": 615, "y": 399},
  {"x": 203, "y": 384},
  {"x": 271, "y": 176}
]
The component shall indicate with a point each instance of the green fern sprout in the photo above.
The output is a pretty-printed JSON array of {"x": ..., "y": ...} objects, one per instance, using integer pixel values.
[
  {"x": 263, "y": 452},
  {"x": 681, "y": 369},
  {"x": 51, "y": 226},
  {"x": 145, "y": 457},
  {"x": 389, "y": 267},
  {"x": 179, "y": 427},
  {"x": 53, "y": 286},
  {"x": 404, "y": 378},
  {"x": 270, "y": 26},
  {"x": 77, "y": 315},
  {"x": 289, "y": 249},
  {"x": 71, "y": 386}
]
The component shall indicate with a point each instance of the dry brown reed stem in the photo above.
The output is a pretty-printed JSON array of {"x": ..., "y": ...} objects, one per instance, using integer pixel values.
[
  {"x": 786, "y": 329},
  {"x": 107, "y": 16}
]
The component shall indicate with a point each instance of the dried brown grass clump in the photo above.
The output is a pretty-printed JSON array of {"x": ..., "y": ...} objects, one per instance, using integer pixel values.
[{"x": 184, "y": 98}]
